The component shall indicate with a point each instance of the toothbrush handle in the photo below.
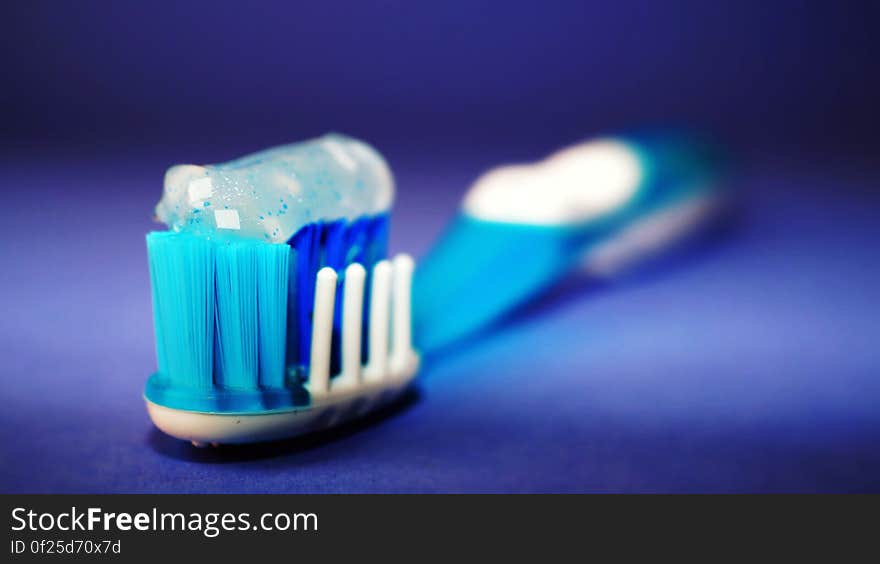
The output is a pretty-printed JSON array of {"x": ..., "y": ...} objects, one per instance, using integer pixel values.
[{"x": 481, "y": 270}]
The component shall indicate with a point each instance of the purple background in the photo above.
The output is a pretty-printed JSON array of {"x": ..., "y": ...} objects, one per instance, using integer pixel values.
[{"x": 749, "y": 365}]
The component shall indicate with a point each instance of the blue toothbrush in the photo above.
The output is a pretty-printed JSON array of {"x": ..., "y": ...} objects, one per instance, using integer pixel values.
[{"x": 277, "y": 311}]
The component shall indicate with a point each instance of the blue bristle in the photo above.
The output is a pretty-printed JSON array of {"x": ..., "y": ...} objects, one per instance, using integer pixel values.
[
  {"x": 335, "y": 251},
  {"x": 306, "y": 244},
  {"x": 372, "y": 243},
  {"x": 335, "y": 244},
  {"x": 234, "y": 319},
  {"x": 237, "y": 330},
  {"x": 161, "y": 363},
  {"x": 182, "y": 277},
  {"x": 272, "y": 281}
]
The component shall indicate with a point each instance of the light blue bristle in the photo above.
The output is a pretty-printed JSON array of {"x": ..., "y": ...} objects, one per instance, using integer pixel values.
[
  {"x": 220, "y": 311},
  {"x": 182, "y": 277},
  {"x": 157, "y": 324},
  {"x": 272, "y": 278},
  {"x": 237, "y": 325}
]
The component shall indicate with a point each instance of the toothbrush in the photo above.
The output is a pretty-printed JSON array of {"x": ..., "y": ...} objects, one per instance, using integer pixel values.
[
  {"x": 277, "y": 312},
  {"x": 600, "y": 206}
]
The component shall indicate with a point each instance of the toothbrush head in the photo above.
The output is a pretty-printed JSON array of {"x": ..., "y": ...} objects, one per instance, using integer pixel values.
[
  {"x": 271, "y": 328},
  {"x": 236, "y": 402}
]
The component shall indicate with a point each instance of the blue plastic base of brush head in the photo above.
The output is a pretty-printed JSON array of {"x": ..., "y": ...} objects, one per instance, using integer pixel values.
[{"x": 161, "y": 390}]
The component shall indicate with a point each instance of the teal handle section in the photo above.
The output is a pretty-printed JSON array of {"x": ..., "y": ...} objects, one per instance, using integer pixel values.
[{"x": 478, "y": 271}]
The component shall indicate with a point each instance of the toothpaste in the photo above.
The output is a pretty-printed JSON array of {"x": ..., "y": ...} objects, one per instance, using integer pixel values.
[{"x": 271, "y": 195}]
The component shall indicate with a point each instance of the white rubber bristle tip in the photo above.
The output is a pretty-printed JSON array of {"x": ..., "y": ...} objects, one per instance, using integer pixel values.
[
  {"x": 352, "y": 323},
  {"x": 401, "y": 344},
  {"x": 380, "y": 311},
  {"x": 322, "y": 331}
]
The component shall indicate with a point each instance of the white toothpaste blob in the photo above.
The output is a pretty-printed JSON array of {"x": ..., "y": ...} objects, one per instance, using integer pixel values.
[
  {"x": 270, "y": 195},
  {"x": 573, "y": 185}
]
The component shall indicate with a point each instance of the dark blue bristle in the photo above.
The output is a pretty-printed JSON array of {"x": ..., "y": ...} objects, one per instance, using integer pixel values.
[
  {"x": 335, "y": 244},
  {"x": 306, "y": 244}
]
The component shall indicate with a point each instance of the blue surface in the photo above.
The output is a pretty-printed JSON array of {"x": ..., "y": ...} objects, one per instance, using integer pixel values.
[{"x": 749, "y": 365}]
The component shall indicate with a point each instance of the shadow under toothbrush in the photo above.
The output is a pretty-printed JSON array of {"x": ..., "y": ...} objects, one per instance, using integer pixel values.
[
  {"x": 177, "y": 449},
  {"x": 691, "y": 250}
]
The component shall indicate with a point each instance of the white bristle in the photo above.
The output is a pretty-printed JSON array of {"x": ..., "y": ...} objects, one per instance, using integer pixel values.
[
  {"x": 322, "y": 331},
  {"x": 401, "y": 343},
  {"x": 380, "y": 310},
  {"x": 352, "y": 324}
]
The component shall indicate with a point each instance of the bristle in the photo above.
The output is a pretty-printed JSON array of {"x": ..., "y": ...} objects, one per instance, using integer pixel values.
[
  {"x": 380, "y": 306},
  {"x": 303, "y": 268},
  {"x": 322, "y": 331},
  {"x": 334, "y": 254},
  {"x": 401, "y": 342},
  {"x": 152, "y": 260},
  {"x": 335, "y": 244},
  {"x": 240, "y": 316},
  {"x": 237, "y": 326},
  {"x": 182, "y": 277},
  {"x": 352, "y": 322},
  {"x": 272, "y": 278}
]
